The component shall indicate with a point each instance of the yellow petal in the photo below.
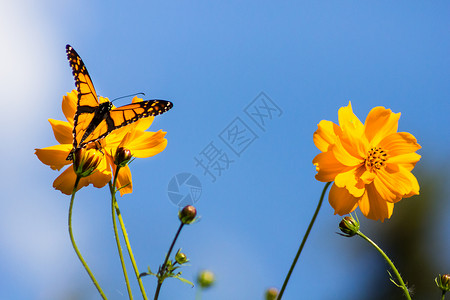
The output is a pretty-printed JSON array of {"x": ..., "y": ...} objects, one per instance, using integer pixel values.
[
  {"x": 116, "y": 137},
  {"x": 349, "y": 180},
  {"x": 380, "y": 122},
  {"x": 385, "y": 191},
  {"x": 343, "y": 156},
  {"x": 54, "y": 156},
  {"x": 69, "y": 105},
  {"x": 144, "y": 124},
  {"x": 103, "y": 100},
  {"x": 348, "y": 121},
  {"x": 373, "y": 206},
  {"x": 327, "y": 166},
  {"x": 414, "y": 185},
  {"x": 407, "y": 161},
  {"x": 352, "y": 138},
  {"x": 148, "y": 144},
  {"x": 101, "y": 176},
  {"x": 399, "y": 143},
  {"x": 393, "y": 186},
  {"x": 136, "y": 99},
  {"x": 62, "y": 131},
  {"x": 124, "y": 182},
  {"x": 326, "y": 135},
  {"x": 342, "y": 202},
  {"x": 367, "y": 177},
  {"x": 66, "y": 180}
]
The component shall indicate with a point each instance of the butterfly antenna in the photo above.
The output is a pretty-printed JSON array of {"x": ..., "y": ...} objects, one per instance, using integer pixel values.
[{"x": 131, "y": 95}]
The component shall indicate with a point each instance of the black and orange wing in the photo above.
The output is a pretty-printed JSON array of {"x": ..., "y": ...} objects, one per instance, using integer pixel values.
[
  {"x": 130, "y": 113},
  {"x": 87, "y": 104},
  {"x": 125, "y": 115},
  {"x": 93, "y": 120}
]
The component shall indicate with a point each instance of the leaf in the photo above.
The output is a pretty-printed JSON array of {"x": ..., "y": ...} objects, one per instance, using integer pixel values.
[{"x": 184, "y": 280}]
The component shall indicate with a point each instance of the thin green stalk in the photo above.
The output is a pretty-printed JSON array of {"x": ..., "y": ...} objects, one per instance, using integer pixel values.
[
  {"x": 198, "y": 294},
  {"x": 163, "y": 266},
  {"x": 443, "y": 295},
  {"x": 390, "y": 263},
  {"x": 305, "y": 237},
  {"x": 116, "y": 233},
  {"x": 74, "y": 245},
  {"x": 130, "y": 252}
]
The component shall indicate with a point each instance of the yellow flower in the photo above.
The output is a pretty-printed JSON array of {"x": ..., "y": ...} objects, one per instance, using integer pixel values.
[
  {"x": 134, "y": 137},
  {"x": 369, "y": 163},
  {"x": 141, "y": 143}
]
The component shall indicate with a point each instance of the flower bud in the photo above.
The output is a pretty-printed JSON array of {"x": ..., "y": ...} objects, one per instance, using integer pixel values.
[
  {"x": 181, "y": 258},
  {"x": 122, "y": 157},
  {"x": 443, "y": 282},
  {"x": 349, "y": 226},
  {"x": 205, "y": 279},
  {"x": 271, "y": 294},
  {"x": 187, "y": 214},
  {"x": 85, "y": 161}
]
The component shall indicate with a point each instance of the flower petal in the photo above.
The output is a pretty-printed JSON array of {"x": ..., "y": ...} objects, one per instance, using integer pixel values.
[
  {"x": 124, "y": 182},
  {"x": 399, "y": 143},
  {"x": 66, "y": 181},
  {"x": 327, "y": 166},
  {"x": 69, "y": 105},
  {"x": 407, "y": 161},
  {"x": 341, "y": 200},
  {"x": 116, "y": 137},
  {"x": 380, "y": 122},
  {"x": 148, "y": 144},
  {"x": 62, "y": 131},
  {"x": 414, "y": 185},
  {"x": 393, "y": 186},
  {"x": 54, "y": 156},
  {"x": 344, "y": 157},
  {"x": 349, "y": 180},
  {"x": 101, "y": 176},
  {"x": 398, "y": 180},
  {"x": 144, "y": 124},
  {"x": 326, "y": 134},
  {"x": 373, "y": 206},
  {"x": 352, "y": 137}
]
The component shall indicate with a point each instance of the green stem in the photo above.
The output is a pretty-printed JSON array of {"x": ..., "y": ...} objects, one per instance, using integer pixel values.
[
  {"x": 443, "y": 295},
  {"x": 127, "y": 243},
  {"x": 74, "y": 245},
  {"x": 305, "y": 237},
  {"x": 116, "y": 233},
  {"x": 390, "y": 263},
  {"x": 163, "y": 266},
  {"x": 198, "y": 294}
]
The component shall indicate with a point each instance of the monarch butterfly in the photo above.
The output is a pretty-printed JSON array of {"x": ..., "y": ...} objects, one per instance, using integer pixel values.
[{"x": 94, "y": 120}]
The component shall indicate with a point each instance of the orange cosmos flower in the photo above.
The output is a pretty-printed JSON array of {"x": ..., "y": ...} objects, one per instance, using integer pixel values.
[
  {"x": 141, "y": 143},
  {"x": 369, "y": 163}
]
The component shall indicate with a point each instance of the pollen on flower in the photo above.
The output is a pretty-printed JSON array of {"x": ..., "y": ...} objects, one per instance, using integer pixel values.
[
  {"x": 317, "y": 167},
  {"x": 376, "y": 158}
]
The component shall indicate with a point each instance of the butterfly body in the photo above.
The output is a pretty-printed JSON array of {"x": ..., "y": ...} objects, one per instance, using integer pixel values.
[{"x": 94, "y": 120}]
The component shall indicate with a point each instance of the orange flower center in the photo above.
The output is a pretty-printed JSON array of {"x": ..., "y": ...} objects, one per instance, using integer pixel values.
[{"x": 376, "y": 159}]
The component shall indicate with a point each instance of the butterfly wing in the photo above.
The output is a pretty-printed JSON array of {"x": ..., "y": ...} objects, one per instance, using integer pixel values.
[
  {"x": 87, "y": 104},
  {"x": 127, "y": 114},
  {"x": 94, "y": 120}
]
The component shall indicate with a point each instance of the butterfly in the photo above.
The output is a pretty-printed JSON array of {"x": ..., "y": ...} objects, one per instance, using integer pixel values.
[{"x": 94, "y": 120}]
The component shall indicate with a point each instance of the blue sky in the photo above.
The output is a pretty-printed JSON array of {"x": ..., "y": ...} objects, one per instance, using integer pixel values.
[{"x": 212, "y": 59}]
